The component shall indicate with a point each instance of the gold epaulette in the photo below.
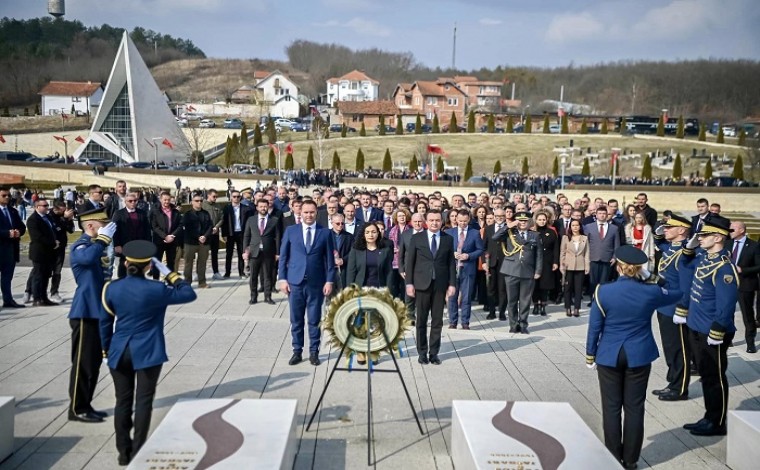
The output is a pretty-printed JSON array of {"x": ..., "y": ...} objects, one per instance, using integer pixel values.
[{"x": 517, "y": 247}]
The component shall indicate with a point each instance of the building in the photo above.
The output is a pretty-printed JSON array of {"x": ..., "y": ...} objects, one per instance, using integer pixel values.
[
  {"x": 431, "y": 98},
  {"x": 274, "y": 93},
  {"x": 353, "y": 86},
  {"x": 60, "y": 97},
  {"x": 354, "y": 113},
  {"x": 133, "y": 122},
  {"x": 481, "y": 95}
]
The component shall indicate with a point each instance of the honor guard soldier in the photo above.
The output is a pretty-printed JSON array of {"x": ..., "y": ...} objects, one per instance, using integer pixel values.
[
  {"x": 523, "y": 260},
  {"x": 90, "y": 265},
  {"x": 135, "y": 348},
  {"x": 710, "y": 318},
  {"x": 621, "y": 344},
  {"x": 670, "y": 238}
]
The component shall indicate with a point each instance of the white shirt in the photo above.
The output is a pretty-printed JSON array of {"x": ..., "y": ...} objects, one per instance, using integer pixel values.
[
  {"x": 313, "y": 228},
  {"x": 236, "y": 214},
  {"x": 350, "y": 226},
  {"x": 437, "y": 239},
  {"x": 741, "y": 243}
]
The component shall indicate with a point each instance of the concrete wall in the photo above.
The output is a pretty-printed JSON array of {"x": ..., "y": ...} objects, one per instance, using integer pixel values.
[{"x": 673, "y": 198}]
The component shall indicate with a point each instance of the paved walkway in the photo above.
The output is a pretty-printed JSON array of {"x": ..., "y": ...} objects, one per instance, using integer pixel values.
[{"x": 221, "y": 347}]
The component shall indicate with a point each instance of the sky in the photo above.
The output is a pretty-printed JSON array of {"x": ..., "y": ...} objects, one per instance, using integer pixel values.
[{"x": 542, "y": 33}]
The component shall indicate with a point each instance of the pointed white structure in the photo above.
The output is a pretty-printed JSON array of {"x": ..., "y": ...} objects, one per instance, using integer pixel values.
[{"x": 133, "y": 118}]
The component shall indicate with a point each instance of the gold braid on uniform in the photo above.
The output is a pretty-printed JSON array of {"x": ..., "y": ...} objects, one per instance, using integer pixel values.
[
  {"x": 173, "y": 278},
  {"x": 517, "y": 246},
  {"x": 103, "y": 238},
  {"x": 666, "y": 260}
]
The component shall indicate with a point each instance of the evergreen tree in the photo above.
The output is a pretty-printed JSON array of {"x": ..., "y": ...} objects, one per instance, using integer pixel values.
[
  {"x": 491, "y": 126},
  {"x": 564, "y": 128},
  {"x": 623, "y": 127},
  {"x": 271, "y": 131},
  {"x": 708, "y": 169},
  {"x": 679, "y": 129},
  {"x": 289, "y": 165},
  {"x": 436, "y": 126},
  {"x": 646, "y": 170},
  {"x": 605, "y": 129},
  {"x": 439, "y": 168},
  {"x": 399, "y": 125},
  {"x": 359, "y": 160},
  {"x": 584, "y": 127},
  {"x": 702, "y": 133},
  {"x": 37, "y": 110},
  {"x": 418, "y": 125},
  {"x": 555, "y": 166},
  {"x": 525, "y": 169},
  {"x": 738, "y": 168},
  {"x": 363, "y": 131},
  {"x": 256, "y": 157},
  {"x": 468, "y": 169},
  {"x": 661, "y": 126},
  {"x": 546, "y": 124},
  {"x": 227, "y": 157},
  {"x": 26, "y": 111},
  {"x": 73, "y": 110},
  {"x": 528, "y": 127},
  {"x": 586, "y": 170},
  {"x": 497, "y": 167},
  {"x": 336, "y": 165},
  {"x": 343, "y": 130},
  {"x": 453, "y": 126},
  {"x": 414, "y": 165},
  {"x": 310, "y": 154},
  {"x": 244, "y": 140},
  {"x": 471, "y": 122},
  {"x": 677, "y": 167},
  {"x": 382, "y": 125},
  {"x": 510, "y": 125},
  {"x": 310, "y": 161},
  {"x": 257, "y": 139},
  {"x": 6, "y": 112},
  {"x": 272, "y": 162},
  {"x": 387, "y": 162},
  {"x": 721, "y": 139},
  {"x": 235, "y": 148},
  {"x": 742, "y": 137}
]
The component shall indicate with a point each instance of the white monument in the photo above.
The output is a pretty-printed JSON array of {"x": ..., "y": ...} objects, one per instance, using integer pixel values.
[
  {"x": 7, "y": 416},
  {"x": 742, "y": 451}
]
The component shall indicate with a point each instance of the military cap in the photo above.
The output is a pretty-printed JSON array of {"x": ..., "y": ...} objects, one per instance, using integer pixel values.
[
  {"x": 94, "y": 214},
  {"x": 676, "y": 220},
  {"x": 139, "y": 251},
  {"x": 523, "y": 216},
  {"x": 716, "y": 224},
  {"x": 247, "y": 189},
  {"x": 629, "y": 254}
]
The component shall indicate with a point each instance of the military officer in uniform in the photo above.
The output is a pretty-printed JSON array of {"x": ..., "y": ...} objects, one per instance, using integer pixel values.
[
  {"x": 620, "y": 345},
  {"x": 90, "y": 265},
  {"x": 135, "y": 348},
  {"x": 521, "y": 267},
  {"x": 670, "y": 237},
  {"x": 710, "y": 318}
]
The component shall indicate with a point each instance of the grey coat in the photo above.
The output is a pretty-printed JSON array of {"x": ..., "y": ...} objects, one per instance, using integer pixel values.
[{"x": 524, "y": 257}]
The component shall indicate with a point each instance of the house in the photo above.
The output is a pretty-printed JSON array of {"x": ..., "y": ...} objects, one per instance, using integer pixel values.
[
  {"x": 273, "y": 92},
  {"x": 353, "y": 86},
  {"x": 481, "y": 95},
  {"x": 354, "y": 113},
  {"x": 431, "y": 98},
  {"x": 59, "y": 97}
]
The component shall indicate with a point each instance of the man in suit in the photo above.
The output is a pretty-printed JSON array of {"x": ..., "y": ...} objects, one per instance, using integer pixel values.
[
  {"x": 166, "y": 225},
  {"x": 262, "y": 243},
  {"x": 562, "y": 224},
  {"x": 306, "y": 275},
  {"x": 343, "y": 242},
  {"x": 235, "y": 216},
  {"x": 94, "y": 200},
  {"x": 366, "y": 212},
  {"x": 196, "y": 227},
  {"x": 745, "y": 255},
  {"x": 521, "y": 267},
  {"x": 12, "y": 228},
  {"x": 209, "y": 205},
  {"x": 117, "y": 201},
  {"x": 418, "y": 225},
  {"x": 293, "y": 216},
  {"x": 703, "y": 214},
  {"x": 603, "y": 240},
  {"x": 63, "y": 221},
  {"x": 469, "y": 247},
  {"x": 324, "y": 218},
  {"x": 41, "y": 251},
  {"x": 350, "y": 222},
  {"x": 431, "y": 278},
  {"x": 131, "y": 224},
  {"x": 494, "y": 254}
]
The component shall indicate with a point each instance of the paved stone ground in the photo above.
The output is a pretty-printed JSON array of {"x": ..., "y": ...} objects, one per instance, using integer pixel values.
[{"x": 220, "y": 347}]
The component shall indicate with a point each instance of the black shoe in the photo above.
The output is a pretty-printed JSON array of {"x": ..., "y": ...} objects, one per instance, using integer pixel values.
[
  {"x": 413, "y": 322},
  {"x": 752, "y": 349},
  {"x": 435, "y": 360},
  {"x": 295, "y": 359},
  {"x": 253, "y": 301},
  {"x": 535, "y": 310},
  {"x": 270, "y": 301},
  {"x": 423, "y": 359},
  {"x": 629, "y": 466},
  {"x": 709, "y": 429},
  {"x": 43, "y": 303},
  {"x": 491, "y": 316},
  {"x": 502, "y": 317},
  {"x": 673, "y": 395},
  {"x": 314, "y": 359},
  {"x": 13, "y": 304},
  {"x": 524, "y": 330},
  {"x": 699, "y": 423},
  {"x": 661, "y": 391},
  {"x": 542, "y": 310},
  {"x": 513, "y": 330},
  {"x": 102, "y": 414},
  {"x": 88, "y": 417},
  {"x": 226, "y": 275},
  {"x": 124, "y": 460}
]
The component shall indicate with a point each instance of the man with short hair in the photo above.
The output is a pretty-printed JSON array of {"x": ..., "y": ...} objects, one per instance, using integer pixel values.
[
  {"x": 12, "y": 228},
  {"x": 94, "y": 201},
  {"x": 745, "y": 255},
  {"x": 131, "y": 224},
  {"x": 343, "y": 242},
  {"x": 368, "y": 213},
  {"x": 63, "y": 221},
  {"x": 494, "y": 258},
  {"x": 118, "y": 199},
  {"x": 262, "y": 243},
  {"x": 703, "y": 214},
  {"x": 166, "y": 225},
  {"x": 217, "y": 219},
  {"x": 418, "y": 225},
  {"x": 469, "y": 247},
  {"x": 197, "y": 227},
  {"x": 603, "y": 240},
  {"x": 650, "y": 214},
  {"x": 42, "y": 246},
  {"x": 234, "y": 216}
]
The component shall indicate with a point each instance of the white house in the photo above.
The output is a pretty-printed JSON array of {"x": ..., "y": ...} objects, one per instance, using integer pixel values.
[
  {"x": 280, "y": 95},
  {"x": 353, "y": 86},
  {"x": 59, "y": 97}
]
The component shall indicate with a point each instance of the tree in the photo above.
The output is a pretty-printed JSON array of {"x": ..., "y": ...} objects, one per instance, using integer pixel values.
[
  {"x": 510, "y": 125},
  {"x": 439, "y": 167},
  {"x": 738, "y": 168},
  {"x": 721, "y": 139},
  {"x": 73, "y": 110},
  {"x": 468, "y": 169},
  {"x": 310, "y": 161},
  {"x": 497, "y": 167},
  {"x": 491, "y": 127},
  {"x": 679, "y": 129},
  {"x": 272, "y": 162},
  {"x": 244, "y": 141},
  {"x": 708, "y": 169},
  {"x": 271, "y": 131},
  {"x": 414, "y": 165},
  {"x": 528, "y": 127},
  {"x": 584, "y": 126},
  {"x": 399, "y": 125},
  {"x": 362, "y": 131},
  {"x": 310, "y": 154},
  {"x": 546, "y": 124},
  {"x": 36, "y": 110},
  {"x": 623, "y": 127},
  {"x": 418, "y": 125},
  {"x": 453, "y": 126},
  {"x": 382, "y": 125},
  {"x": 387, "y": 162},
  {"x": 359, "y": 160},
  {"x": 197, "y": 157},
  {"x": 586, "y": 170},
  {"x": 742, "y": 137},
  {"x": 336, "y": 161},
  {"x": 525, "y": 169},
  {"x": 555, "y": 166},
  {"x": 702, "y": 132},
  {"x": 564, "y": 128},
  {"x": 436, "y": 126},
  {"x": 234, "y": 148},
  {"x": 471, "y": 124},
  {"x": 677, "y": 167},
  {"x": 661, "y": 126},
  {"x": 256, "y": 157},
  {"x": 646, "y": 169},
  {"x": 26, "y": 111},
  {"x": 257, "y": 139},
  {"x": 289, "y": 165},
  {"x": 605, "y": 128},
  {"x": 227, "y": 156},
  {"x": 343, "y": 130}
]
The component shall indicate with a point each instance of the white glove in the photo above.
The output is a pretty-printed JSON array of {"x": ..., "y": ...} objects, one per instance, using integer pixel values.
[
  {"x": 162, "y": 268},
  {"x": 644, "y": 274},
  {"x": 660, "y": 230},
  {"x": 693, "y": 242},
  {"x": 105, "y": 361},
  {"x": 108, "y": 230},
  {"x": 679, "y": 320},
  {"x": 591, "y": 366},
  {"x": 714, "y": 342}
]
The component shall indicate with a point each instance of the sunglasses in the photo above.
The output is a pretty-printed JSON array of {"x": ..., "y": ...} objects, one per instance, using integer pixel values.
[
  {"x": 235, "y": 197},
  {"x": 197, "y": 200},
  {"x": 42, "y": 205},
  {"x": 97, "y": 192},
  {"x": 337, "y": 223},
  {"x": 130, "y": 200}
]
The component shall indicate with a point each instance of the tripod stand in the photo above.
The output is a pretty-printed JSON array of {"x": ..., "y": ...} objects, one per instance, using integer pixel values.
[{"x": 366, "y": 316}]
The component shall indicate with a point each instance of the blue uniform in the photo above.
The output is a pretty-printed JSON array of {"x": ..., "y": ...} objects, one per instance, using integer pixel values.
[
  {"x": 89, "y": 263},
  {"x": 139, "y": 319},
  {"x": 712, "y": 301},
  {"x": 621, "y": 318},
  {"x": 677, "y": 275}
]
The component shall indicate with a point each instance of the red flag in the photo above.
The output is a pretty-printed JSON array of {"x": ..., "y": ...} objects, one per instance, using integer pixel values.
[
  {"x": 289, "y": 148},
  {"x": 80, "y": 139},
  {"x": 314, "y": 111},
  {"x": 560, "y": 112},
  {"x": 190, "y": 108},
  {"x": 168, "y": 143},
  {"x": 275, "y": 148},
  {"x": 149, "y": 142},
  {"x": 437, "y": 150},
  {"x": 2, "y": 139},
  {"x": 614, "y": 159},
  {"x": 64, "y": 115},
  {"x": 60, "y": 139}
]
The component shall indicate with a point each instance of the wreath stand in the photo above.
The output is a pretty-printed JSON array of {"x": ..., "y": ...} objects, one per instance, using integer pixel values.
[{"x": 361, "y": 314}]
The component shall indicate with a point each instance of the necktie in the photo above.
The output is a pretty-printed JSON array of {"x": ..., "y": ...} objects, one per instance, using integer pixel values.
[
  {"x": 298, "y": 219},
  {"x": 735, "y": 252},
  {"x": 524, "y": 235},
  {"x": 434, "y": 245},
  {"x": 461, "y": 239},
  {"x": 366, "y": 215},
  {"x": 308, "y": 239},
  {"x": 262, "y": 225},
  {"x": 47, "y": 219},
  {"x": 8, "y": 216},
  {"x": 387, "y": 222},
  {"x": 567, "y": 225},
  {"x": 601, "y": 230}
]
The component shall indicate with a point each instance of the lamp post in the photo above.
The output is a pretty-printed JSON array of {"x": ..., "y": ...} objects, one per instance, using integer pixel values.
[
  {"x": 155, "y": 153},
  {"x": 279, "y": 157},
  {"x": 522, "y": 116},
  {"x": 563, "y": 162}
]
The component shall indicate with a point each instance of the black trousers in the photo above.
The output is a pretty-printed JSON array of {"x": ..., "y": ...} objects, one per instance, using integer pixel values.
[
  {"x": 136, "y": 387},
  {"x": 398, "y": 285},
  {"x": 233, "y": 241},
  {"x": 623, "y": 389},
  {"x": 261, "y": 266},
  {"x": 574, "y": 289},
  {"x": 42, "y": 271},
  {"x": 86, "y": 357},
  {"x": 600, "y": 273},
  {"x": 55, "y": 280},
  {"x": 497, "y": 292},
  {"x": 213, "y": 243},
  {"x": 430, "y": 303},
  {"x": 480, "y": 292},
  {"x": 170, "y": 249},
  {"x": 675, "y": 348},
  {"x": 747, "y": 306},
  {"x": 712, "y": 363}
]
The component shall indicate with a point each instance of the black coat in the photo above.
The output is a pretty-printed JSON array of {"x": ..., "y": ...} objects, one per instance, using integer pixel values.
[
  {"x": 357, "y": 267},
  {"x": 43, "y": 238},
  {"x": 63, "y": 227},
  {"x": 228, "y": 219},
  {"x": 550, "y": 244},
  {"x": 493, "y": 248},
  {"x": 749, "y": 262},
  {"x": 10, "y": 248},
  {"x": 124, "y": 227},
  {"x": 196, "y": 224},
  {"x": 267, "y": 243},
  {"x": 158, "y": 225},
  {"x": 420, "y": 264}
]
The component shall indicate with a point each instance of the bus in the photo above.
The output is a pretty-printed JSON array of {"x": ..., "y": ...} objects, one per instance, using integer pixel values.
[{"x": 648, "y": 125}]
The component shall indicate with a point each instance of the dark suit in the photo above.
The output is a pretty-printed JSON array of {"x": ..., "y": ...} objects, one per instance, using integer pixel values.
[
  {"x": 343, "y": 242},
  {"x": 63, "y": 227},
  {"x": 601, "y": 251},
  {"x": 749, "y": 262},
  {"x": 10, "y": 249},
  {"x": 161, "y": 228},
  {"x": 403, "y": 246},
  {"x": 41, "y": 253},
  {"x": 696, "y": 223},
  {"x": 460, "y": 304},
  {"x": 262, "y": 248},
  {"x": 522, "y": 262},
  {"x": 356, "y": 272},
  {"x": 134, "y": 226},
  {"x": 375, "y": 215},
  {"x": 233, "y": 228},
  {"x": 497, "y": 286},
  {"x": 431, "y": 275}
]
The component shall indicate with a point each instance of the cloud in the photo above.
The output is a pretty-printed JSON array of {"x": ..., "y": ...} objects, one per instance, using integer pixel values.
[
  {"x": 349, "y": 4},
  {"x": 573, "y": 27},
  {"x": 683, "y": 18},
  {"x": 359, "y": 26},
  {"x": 489, "y": 21}
]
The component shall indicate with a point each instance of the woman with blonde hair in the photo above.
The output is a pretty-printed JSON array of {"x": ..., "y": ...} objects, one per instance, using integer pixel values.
[{"x": 639, "y": 234}]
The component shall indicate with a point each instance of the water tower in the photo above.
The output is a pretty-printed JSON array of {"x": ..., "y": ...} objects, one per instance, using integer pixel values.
[{"x": 57, "y": 8}]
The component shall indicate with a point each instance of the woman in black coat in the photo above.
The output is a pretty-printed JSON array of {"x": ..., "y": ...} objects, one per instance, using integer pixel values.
[{"x": 550, "y": 245}]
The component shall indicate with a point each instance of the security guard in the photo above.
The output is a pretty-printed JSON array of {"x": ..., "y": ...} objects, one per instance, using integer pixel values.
[
  {"x": 621, "y": 343},
  {"x": 710, "y": 318},
  {"x": 670, "y": 238},
  {"x": 90, "y": 265},
  {"x": 135, "y": 348}
]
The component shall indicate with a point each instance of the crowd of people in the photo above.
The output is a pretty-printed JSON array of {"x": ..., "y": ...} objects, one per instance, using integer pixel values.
[{"x": 511, "y": 252}]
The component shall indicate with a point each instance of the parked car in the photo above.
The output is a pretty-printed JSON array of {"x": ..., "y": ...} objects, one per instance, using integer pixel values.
[
  {"x": 554, "y": 129},
  {"x": 388, "y": 129},
  {"x": 497, "y": 130},
  {"x": 207, "y": 123},
  {"x": 181, "y": 122},
  {"x": 445, "y": 128},
  {"x": 339, "y": 128},
  {"x": 192, "y": 116},
  {"x": 142, "y": 165},
  {"x": 233, "y": 123},
  {"x": 729, "y": 131},
  {"x": 300, "y": 127},
  {"x": 478, "y": 179},
  {"x": 284, "y": 123},
  {"x": 16, "y": 156},
  {"x": 426, "y": 128}
]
